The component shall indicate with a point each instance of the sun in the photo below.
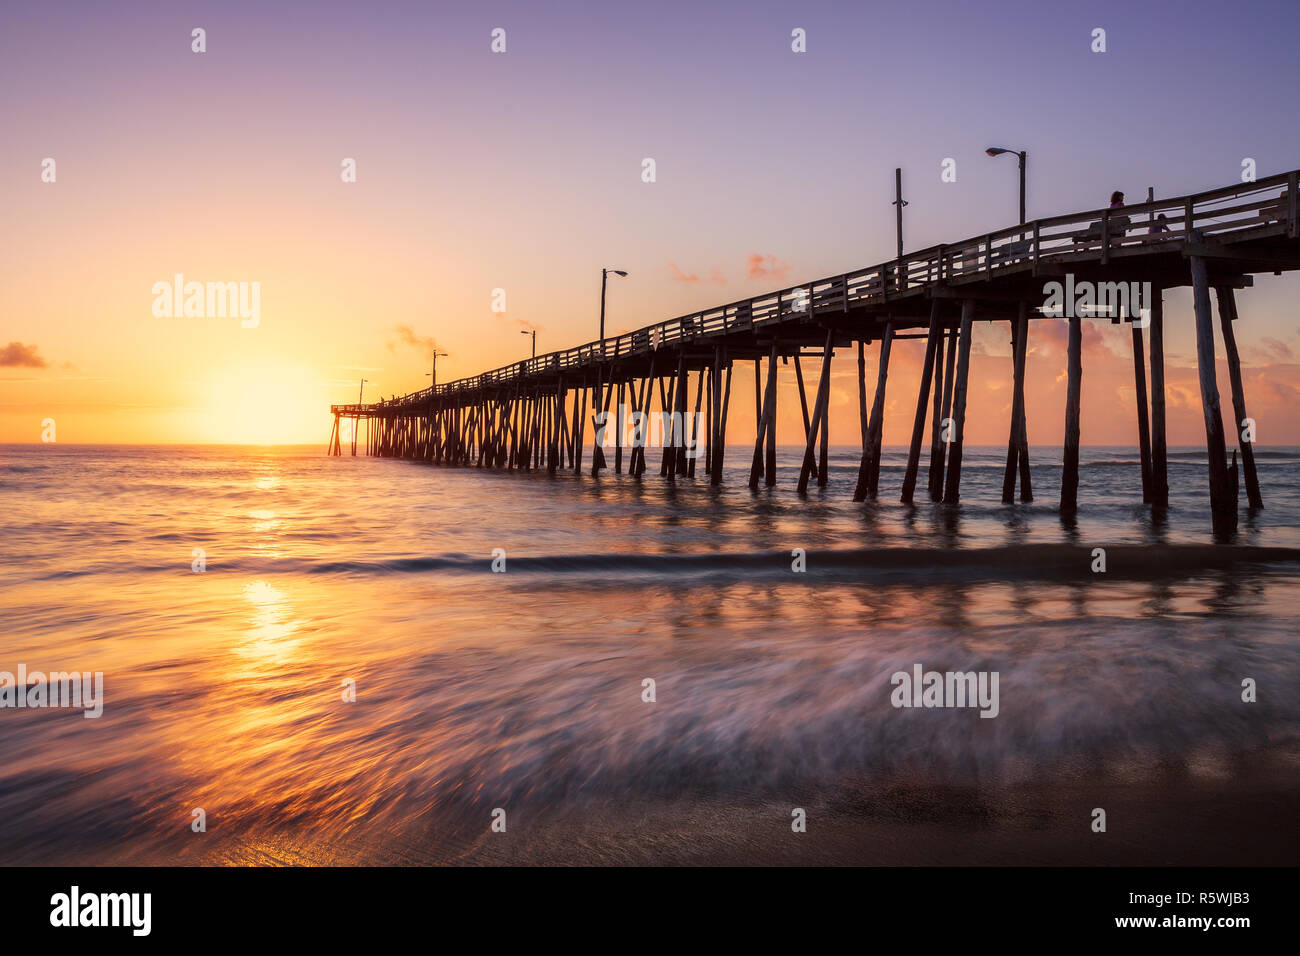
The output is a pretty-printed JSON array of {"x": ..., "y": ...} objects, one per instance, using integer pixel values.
[{"x": 266, "y": 403}]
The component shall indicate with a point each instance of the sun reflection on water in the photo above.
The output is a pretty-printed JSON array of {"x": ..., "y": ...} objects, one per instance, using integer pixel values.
[{"x": 271, "y": 625}]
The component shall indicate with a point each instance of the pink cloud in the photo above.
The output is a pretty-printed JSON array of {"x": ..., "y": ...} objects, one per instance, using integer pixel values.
[
  {"x": 761, "y": 266},
  {"x": 715, "y": 276}
]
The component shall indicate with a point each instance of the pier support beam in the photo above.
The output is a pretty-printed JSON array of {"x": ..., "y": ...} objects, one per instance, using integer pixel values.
[
  {"x": 645, "y": 396},
  {"x": 859, "y": 492},
  {"x": 1073, "y": 387},
  {"x": 952, "y": 489},
  {"x": 869, "y": 470},
  {"x": 1223, "y": 504},
  {"x": 695, "y": 426},
  {"x": 766, "y": 422},
  {"x": 769, "y": 470},
  {"x": 945, "y": 420},
  {"x": 825, "y": 434},
  {"x": 597, "y": 452},
  {"x": 618, "y": 430},
  {"x": 1018, "y": 439},
  {"x": 1144, "y": 428},
  {"x": 932, "y": 341},
  {"x": 818, "y": 415},
  {"x": 934, "y": 482},
  {"x": 579, "y": 426},
  {"x": 803, "y": 398},
  {"x": 724, "y": 401},
  {"x": 681, "y": 407},
  {"x": 1159, "y": 449},
  {"x": 1228, "y": 316}
]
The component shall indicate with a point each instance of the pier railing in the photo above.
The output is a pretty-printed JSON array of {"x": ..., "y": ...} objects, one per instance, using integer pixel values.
[{"x": 1102, "y": 234}]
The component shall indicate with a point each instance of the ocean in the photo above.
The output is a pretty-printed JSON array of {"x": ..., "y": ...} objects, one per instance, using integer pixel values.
[{"x": 646, "y": 677}]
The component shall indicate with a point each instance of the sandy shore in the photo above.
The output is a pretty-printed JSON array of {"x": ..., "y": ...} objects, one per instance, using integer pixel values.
[{"x": 1187, "y": 818}]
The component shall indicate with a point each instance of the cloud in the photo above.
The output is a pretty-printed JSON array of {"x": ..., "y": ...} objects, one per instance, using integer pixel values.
[
  {"x": 690, "y": 278},
  {"x": 1269, "y": 349},
  {"x": 407, "y": 336},
  {"x": 17, "y": 355},
  {"x": 715, "y": 276},
  {"x": 760, "y": 266}
]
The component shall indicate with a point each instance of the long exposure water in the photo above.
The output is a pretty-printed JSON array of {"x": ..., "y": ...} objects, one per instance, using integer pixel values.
[{"x": 524, "y": 688}]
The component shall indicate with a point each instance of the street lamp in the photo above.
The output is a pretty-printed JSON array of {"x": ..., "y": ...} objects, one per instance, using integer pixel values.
[
  {"x": 998, "y": 151},
  {"x": 362, "y": 391},
  {"x": 433, "y": 376},
  {"x": 604, "y": 275},
  {"x": 533, "y": 333}
]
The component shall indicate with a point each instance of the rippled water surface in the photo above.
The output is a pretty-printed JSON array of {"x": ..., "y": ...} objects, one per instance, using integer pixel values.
[{"x": 523, "y": 690}]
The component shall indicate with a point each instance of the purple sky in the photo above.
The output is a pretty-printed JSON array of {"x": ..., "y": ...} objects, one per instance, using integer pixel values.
[{"x": 522, "y": 171}]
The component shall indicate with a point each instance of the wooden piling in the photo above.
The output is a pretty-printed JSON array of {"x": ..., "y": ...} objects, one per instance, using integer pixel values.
[
  {"x": 952, "y": 490},
  {"x": 1017, "y": 442},
  {"x": 709, "y": 419},
  {"x": 719, "y": 445},
  {"x": 597, "y": 424},
  {"x": 1144, "y": 428},
  {"x": 859, "y": 491},
  {"x": 765, "y": 420},
  {"x": 938, "y": 448},
  {"x": 945, "y": 420},
  {"x": 679, "y": 423},
  {"x": 579, "y": 427},
  {"x": 923, "y": 400},
  {"x": 1227, "y": 317},
  {"x": 695, "y": 426},
  {"x": 876, "y": 428},
  {"x": 825, "y": 437},
  {"x": 1073, "y": 387},
  {"x": 803, "y": 398},
  {"x": 647, "y": 398},
  {"x": 818, "y": 415},
  {"x": 618, "y": 431},
  {"x": 769, "y": 470},
  {"x": 1159, "y": 452},
  {"x": 1223, "y": 506}
]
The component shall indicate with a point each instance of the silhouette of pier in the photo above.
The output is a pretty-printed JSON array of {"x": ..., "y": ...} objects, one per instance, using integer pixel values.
[{"x": 535, "y": 413}]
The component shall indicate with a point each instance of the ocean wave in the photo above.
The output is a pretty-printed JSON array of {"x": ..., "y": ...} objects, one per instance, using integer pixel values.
[{"x": 1020, "y": 561}]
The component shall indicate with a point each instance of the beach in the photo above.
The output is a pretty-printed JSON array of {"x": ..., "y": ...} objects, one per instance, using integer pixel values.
[{"x": 523, "y": 689}]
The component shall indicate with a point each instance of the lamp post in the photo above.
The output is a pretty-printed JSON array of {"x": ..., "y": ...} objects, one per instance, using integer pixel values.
[
  {"x": 433, "y": 376},
  {"x": 362, "y": 391},
  {"x": 604, "y": 276},
  {"x": 533, "y": 333},
  {"x": 998, "y": 151}
]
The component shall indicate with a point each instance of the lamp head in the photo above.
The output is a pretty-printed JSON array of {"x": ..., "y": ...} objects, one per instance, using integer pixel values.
[
  {"x": 618, "y": 272},
  {"x": 997, "y": 151}
]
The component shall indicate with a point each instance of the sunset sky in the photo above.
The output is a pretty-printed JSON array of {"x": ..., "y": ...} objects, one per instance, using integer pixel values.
[{"x": 522, "y": 171}]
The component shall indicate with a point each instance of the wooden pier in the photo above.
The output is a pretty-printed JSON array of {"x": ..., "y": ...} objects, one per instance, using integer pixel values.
[{"x": 541, "y": 413}]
